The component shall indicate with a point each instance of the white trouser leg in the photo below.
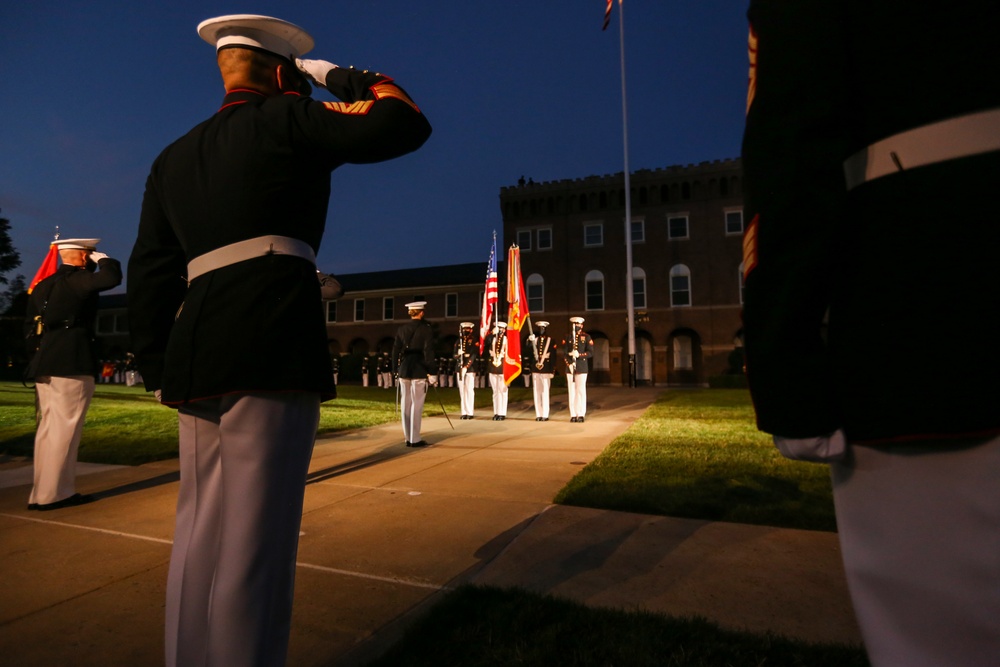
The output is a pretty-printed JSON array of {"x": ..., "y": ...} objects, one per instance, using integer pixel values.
[
  {"x": 413, "y": 393},
  {"x": 244, "y": 460},
  {"x": 62, "y": 405},
  {"x": 499, "y": 394},
  {"x": 541, "y": 382},
  {"x": 467, "y": 393},
  {"x": 920, "y": 537}
]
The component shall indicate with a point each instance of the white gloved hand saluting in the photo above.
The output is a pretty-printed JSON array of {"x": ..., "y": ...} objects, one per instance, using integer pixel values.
[
  {"x": 316, "y": 70},
  {"x": 95, "y": 256}
]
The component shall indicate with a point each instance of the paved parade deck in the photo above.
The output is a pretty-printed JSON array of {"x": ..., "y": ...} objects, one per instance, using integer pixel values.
[{"x": 387, "y": 529}]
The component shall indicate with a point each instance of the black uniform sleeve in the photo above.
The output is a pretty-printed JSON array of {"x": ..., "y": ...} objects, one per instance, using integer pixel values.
[
  {"x": 793, "y": 152},
  {"x": 156, "y": 286},
  {"x": 375, "y": 121}
]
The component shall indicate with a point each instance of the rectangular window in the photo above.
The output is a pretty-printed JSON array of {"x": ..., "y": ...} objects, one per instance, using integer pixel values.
[
  {"x": 388, "y": 308},
  {"x": 544, "y": 239},
  {"x": 639, "y": 292},
  {"x": 331, "y": 311},
  {"x": 677, "y": 228},
  {"x": 359, "y": 310},
  {"x": 593, "y": 235},
  {"x": 106, "y": 324},
  {"x": 680, "y": 290},
  {"x": 451, "y": 304},
  {"x": 595, "y": 295},
  {"x": 734, "y": 222},
  {"x": 536, "y": 297},
  {"x": 524, "y": 239},
  {"x": 638, "y": 231}
]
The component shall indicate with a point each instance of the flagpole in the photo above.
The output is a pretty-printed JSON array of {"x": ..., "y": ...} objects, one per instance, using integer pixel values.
[{"x": 629, "y": 295}]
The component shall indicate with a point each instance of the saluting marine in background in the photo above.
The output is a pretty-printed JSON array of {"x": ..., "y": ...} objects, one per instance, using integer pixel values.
[
  {"x": 542, "y": 362},
  {"x": 63, "y": 308},
  {"x": 577, "y": 352},
  {"x": 466, "y": 355}
]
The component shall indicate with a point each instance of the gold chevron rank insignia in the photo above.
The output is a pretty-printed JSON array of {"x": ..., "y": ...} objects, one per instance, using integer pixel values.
[
  {"x": 350, "y": 108},
  {"x": 750, "y": 247},
  {"x": 386, "y": 89}
]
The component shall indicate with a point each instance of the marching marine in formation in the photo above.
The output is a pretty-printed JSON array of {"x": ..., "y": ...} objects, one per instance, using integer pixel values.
[
  {"x": 578, "y": 351},
  {"x": 413, "y": 363},
  {"x": 542, "y": 360},
  {"x": 466, "y": 356},
  {"x": 364, "y": 371},
  {"x": 496, "y": 344}
]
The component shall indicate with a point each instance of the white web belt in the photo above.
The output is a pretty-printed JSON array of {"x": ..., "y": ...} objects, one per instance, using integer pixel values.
[
  {"x": 958, "y": 137},
  {"x": 244, "y": 250}
]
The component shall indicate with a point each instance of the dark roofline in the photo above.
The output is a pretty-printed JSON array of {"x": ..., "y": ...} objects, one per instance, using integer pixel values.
[{"x": 448, "y": 275}]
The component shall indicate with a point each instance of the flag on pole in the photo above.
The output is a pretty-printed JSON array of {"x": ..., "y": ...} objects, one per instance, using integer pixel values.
[
  {"x": 489, "y": 296},
  {"x": 48, "y": 267},
  {"x": 517, "y": 314},
  {"x": 607, "y": 15}
]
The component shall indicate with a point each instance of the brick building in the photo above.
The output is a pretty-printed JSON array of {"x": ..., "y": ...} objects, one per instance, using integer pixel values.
[{"x": 686, "y": 235}]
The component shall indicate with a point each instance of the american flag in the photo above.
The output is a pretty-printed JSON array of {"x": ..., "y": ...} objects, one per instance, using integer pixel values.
[{"x": 489, "y": 297}]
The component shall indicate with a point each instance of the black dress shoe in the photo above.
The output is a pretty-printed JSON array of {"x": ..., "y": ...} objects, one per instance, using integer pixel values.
[
  {"x": 545, "y": 419},
  {"x": 538, "y": 419},
  {"x": 579, "y": 419},
  {"x": 72, "y": 501},
  {"x": 422, "y": 443},
  {"x": 32, "y": 506},
  {"x": 573, "y": 420},
  {"x": 502, "y": 417},
  {"x": 496, "y": 418}
]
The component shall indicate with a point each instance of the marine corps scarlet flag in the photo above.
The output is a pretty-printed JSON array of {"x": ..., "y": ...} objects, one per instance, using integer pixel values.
[
  {"x": 517, "y": 314},
  {"x": 48, "y": 267}
]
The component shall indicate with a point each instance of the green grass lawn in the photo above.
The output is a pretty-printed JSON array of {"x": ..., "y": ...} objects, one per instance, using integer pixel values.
[
  {"x": 698, "y": 454},
  {"x": 125, "y": 425},
  {"x": 479, "y": 626}
]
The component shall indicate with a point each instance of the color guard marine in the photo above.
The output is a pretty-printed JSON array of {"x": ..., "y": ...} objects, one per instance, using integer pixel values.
[
  {"x": 496, "y": 347},
  {"x": 541, "y": 361},
  {"x": 466, "y": 356},
  {"x": 577, "y": 352}
]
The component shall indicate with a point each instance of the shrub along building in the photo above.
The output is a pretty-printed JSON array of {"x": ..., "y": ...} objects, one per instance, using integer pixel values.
[{"x": 686, "y": 280}]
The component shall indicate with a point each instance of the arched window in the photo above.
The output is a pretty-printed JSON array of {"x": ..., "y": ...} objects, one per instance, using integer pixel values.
[
  {"x": 683, "y": 358},
  {"x": 638, "y": 287},
  {"x": 535, "y": 288},
  {"x": 680, "y": 286},
  {"x": 739, "y": 277},
  {"x": 601, "y": 355},
  {"x": 595, "y": 290}
]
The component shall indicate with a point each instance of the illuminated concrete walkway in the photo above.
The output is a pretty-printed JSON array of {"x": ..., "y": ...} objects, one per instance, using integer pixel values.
[{"x": 388, "y": 529}]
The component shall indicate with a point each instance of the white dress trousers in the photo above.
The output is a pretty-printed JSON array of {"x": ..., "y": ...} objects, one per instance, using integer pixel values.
[
  {"x": 541, "y": 383},
  {"x": 62, "y": 408},
  {"x": 576, "y": 388},
  {"x": 920, "y": 537},
  {"x": 499, "y": 394},
  {"x": 411, "y": 406},
  {"x": 467, "y": 392},
  {"x": 244, "y": 460}
]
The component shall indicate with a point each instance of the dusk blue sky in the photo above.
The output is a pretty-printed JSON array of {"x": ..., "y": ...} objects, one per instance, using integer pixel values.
[{"x": 93, "y": 91}]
